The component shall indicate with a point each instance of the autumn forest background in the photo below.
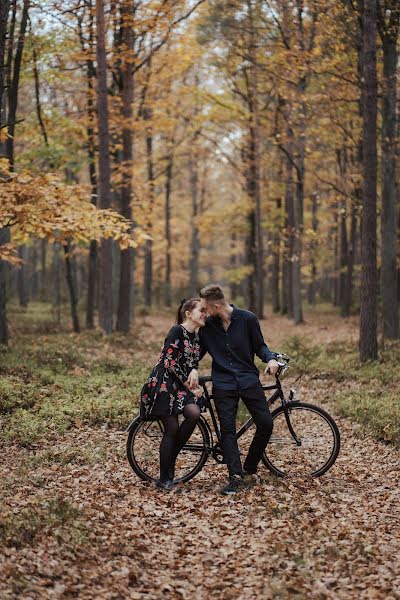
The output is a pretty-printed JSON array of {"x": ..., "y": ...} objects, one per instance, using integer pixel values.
[{"x": 148, "y": 147}]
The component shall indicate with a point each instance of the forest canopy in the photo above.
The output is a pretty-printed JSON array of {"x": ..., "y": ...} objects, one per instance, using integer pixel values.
[{"x": 250, "y": 142}]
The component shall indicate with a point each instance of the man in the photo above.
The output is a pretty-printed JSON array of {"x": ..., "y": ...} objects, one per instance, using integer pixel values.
[{"x": 232, "y": 337}]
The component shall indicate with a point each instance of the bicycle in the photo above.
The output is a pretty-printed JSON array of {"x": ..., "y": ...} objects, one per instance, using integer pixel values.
[{"x": 305, "y": 438}]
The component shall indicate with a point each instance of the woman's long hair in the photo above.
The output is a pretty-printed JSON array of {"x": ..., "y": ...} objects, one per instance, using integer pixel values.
[{"x": 184, "y": 306}]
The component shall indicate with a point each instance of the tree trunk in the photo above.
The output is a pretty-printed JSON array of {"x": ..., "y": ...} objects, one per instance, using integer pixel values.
[
  {"x": 71, "y": 288},
  {"x": 22, "y": 278},
  {"x": 342, "y": 235},
  {"x": 343, "y": 257},
  {"x": 39, "y": 113},
  {"x": 91, "y": 294},
  {"x": 350, "y": 258},
  {"x": 233, "y": 264},
  {"x": 148, "y": 249},
  {"x": 34, "y": 278},
  {"x": 275, "y": 267},
  {"x": 297, "y": 252},
  {"x": 168, "y": 189},
  {"x": 195, "y": 241},
  {"x": 56, "y": 277},
  {"x": 125, "y": 299},
  {"x": 254, "y": 190},
  {"x": 368, "y": 309},
  {"x": 4, "y": 10},
  {"x": 298, "y": 212},
  {"x": 105, "y": 254},
  {"x": 312, "y": 287},
  {"x": 4, "y": 239},
  {"x": 287, "y": 274},
  {"x": 43, "y": 270},
  {"x": 14, "y": 87},
  {"x": 91, "y": 149},
  {"x": 390, "y": 308}
]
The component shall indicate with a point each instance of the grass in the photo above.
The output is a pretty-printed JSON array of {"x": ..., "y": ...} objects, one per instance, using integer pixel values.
[
  {"x": 368, "y": 393},
  {"x": 51, "y": 383},
  {"x": 56, "y": 515}
]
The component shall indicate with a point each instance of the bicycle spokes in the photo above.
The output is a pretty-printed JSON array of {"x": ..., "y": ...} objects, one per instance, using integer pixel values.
[
  {"x": 143, "y": 450},
  {"x": 304, "y": 442}
]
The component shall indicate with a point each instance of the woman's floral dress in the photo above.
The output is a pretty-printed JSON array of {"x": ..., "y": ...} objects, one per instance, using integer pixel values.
[{"x": 164, "y": 393}]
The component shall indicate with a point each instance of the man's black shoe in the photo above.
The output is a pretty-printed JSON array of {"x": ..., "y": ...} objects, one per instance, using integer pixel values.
[
  {"x": 235, "y": 484},
  {"x": 166, "y": 486}
]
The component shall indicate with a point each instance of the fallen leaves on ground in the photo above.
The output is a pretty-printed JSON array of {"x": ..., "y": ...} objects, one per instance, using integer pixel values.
[
  {"x": 334, "y": 537},
  {"x": 100, "y": 532}
]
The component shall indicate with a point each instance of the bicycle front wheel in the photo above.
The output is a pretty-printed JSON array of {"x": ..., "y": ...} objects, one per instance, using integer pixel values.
[
  {"x": 143, "y": 450},
  {"x": 315, "y": 448}
]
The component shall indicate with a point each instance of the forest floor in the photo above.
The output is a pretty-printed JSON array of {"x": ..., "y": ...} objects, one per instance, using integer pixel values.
[{"x": 76, "y": 522}]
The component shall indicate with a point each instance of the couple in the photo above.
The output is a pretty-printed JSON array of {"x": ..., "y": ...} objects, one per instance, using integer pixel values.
[{"x": 232, "y": 337}]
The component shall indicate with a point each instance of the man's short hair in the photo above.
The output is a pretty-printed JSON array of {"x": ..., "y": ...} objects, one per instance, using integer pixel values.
[{"x": 212, "y": 293}]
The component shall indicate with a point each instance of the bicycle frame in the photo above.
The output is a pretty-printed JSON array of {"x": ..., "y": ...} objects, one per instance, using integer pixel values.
[
  {"x": 278, "y": 394},
  {"x": 214, "y": 446}
]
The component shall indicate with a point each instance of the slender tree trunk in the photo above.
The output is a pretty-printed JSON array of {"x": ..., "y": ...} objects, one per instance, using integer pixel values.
[
  {"x": 390, "y": 308},
  {"x": 195, "y": 241},
  {"x": 56, "y": 277},
  {"x": 297, "y": 252},
  {"x": 368, "y": 309},
  {"x": 43, "y": 269},
  {"x": 105, "y": 258},
  {"x": 91, "y": 149},
  {"x": 342, "y": 237},
  {"x": 39, "y": 113},
  {"x": 287, "y": 275},
  {"x": 254, "y": 166},
  {"x": 275, "y": 267},
  {"x": 34, "y": 278},
  {"x": 336, "y": 266},
  {"x": 125, "y": 301},
  {"x": 350, "y": 258},
  {"x": 22, "y": 284},
  {"x": 312, "y": 288},
  {"x": 4, "y": 239},
  {"x": 343, "y": 259},
  {"x": 148, "y": 250},
  {"x": 298, "y": 211},
  {"x": 168, "y": 189},
  {"x": 71, "y": 289},
  {"x": 4, "y": 10},
  {"x": 13, "y": 90},
  {"x": 233, "y": 264}
]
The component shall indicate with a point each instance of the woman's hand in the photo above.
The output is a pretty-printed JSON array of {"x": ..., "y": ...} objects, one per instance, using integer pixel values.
[
  {"x": 193, "y": 379},
  {"x": 198, "y": 392}
]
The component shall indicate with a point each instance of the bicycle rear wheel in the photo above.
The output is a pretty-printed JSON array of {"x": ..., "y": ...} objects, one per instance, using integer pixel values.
[
  {"x": 319, "y": 441},
  {"x": 143, "y": 450}
]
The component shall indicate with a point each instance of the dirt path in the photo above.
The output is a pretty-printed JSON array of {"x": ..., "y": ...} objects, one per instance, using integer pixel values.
[{"x": 336, "y": 537}]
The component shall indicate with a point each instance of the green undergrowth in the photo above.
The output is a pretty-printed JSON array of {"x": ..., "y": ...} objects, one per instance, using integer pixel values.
[
  {"x": 56, "y": 516},
  {"x": 50, "y": 384},
  {"x": 367, "y": 392}
]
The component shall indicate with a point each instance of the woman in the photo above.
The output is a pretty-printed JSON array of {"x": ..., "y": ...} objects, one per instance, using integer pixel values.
[{"x": 172, "y": 388}]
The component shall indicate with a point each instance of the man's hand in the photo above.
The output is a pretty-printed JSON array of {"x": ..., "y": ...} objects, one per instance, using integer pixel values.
[
  {"x": 271, "y": 367},
  {"x": 193, "y": 379}
]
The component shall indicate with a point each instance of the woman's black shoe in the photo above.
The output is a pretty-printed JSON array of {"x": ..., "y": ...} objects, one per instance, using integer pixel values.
[{"x": 167, "y": 486}]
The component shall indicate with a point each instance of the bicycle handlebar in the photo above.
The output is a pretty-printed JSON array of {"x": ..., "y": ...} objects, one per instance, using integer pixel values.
[{"x": 282, "y": 363}]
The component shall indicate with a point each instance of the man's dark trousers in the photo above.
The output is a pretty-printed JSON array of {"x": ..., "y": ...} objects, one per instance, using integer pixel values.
[{"x": 226, "y": 404}]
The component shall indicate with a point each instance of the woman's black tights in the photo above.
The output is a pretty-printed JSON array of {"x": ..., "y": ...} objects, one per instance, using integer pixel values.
[{"x": 175, "y": 437}]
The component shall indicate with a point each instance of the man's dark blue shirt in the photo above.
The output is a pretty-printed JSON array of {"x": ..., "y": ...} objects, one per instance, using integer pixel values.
[{"x": 233, "y": 350}]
